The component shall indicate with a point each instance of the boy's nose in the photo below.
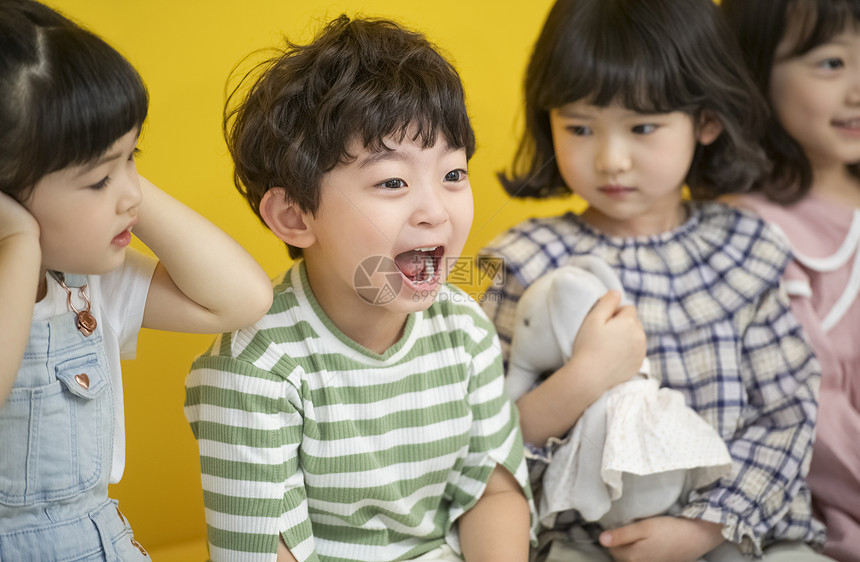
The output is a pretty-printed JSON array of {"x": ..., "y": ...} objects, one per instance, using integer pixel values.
[
  {"x": 430, "y": 208},
  {"x": 612, "y": 157}
]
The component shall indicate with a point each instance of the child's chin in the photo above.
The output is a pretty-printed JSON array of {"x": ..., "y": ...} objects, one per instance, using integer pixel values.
[
  {"x": 411, "y": 300},
  {"x": 421, "y": 292},
  {"x": 423, "y": 302}
]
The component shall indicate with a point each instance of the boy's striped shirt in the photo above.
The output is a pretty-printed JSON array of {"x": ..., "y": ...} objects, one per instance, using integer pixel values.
[{"x": 348, "y": 454}]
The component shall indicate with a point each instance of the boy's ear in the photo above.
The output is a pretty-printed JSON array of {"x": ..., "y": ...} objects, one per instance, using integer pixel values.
[
  {"x": 708, "y": 129},
  {"x": 285, "y": 218}
]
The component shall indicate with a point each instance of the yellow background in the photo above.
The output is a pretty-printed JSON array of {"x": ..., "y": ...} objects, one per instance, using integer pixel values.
[{"x": 185, "y": 50}]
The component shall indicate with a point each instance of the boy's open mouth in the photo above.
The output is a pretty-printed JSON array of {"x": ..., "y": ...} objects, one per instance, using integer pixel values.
[{"x": 421, "y": 265}]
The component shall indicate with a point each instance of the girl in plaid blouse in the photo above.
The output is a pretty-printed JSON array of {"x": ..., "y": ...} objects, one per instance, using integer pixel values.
[{"x": 626, "y": 103}]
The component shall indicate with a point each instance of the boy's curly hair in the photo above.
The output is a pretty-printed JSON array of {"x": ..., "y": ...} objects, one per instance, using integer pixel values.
[{"x": 364, "y": 80}]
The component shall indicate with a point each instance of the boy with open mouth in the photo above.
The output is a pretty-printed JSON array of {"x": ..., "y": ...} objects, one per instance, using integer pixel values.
[{"x": 364, "y": 418}]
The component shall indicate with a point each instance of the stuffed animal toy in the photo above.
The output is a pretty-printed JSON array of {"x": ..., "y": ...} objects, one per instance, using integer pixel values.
[{"x": 637, "y": 449}]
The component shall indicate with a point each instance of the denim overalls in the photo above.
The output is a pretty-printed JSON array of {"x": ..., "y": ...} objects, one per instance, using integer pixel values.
[{"x": 56, "y": 446}]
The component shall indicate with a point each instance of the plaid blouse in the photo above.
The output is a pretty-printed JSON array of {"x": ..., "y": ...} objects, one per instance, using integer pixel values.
[{"x": 719, "y": 330}]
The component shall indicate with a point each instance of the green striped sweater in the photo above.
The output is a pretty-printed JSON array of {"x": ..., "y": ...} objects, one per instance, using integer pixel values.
[{"x": 348, "y": 454}]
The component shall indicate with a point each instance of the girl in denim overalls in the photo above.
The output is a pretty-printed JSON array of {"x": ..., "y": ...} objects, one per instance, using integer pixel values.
[{"x": 71, "y": 111}]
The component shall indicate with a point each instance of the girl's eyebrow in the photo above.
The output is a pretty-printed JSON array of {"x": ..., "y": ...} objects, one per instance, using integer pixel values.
[
  {"x": 107, "y": 157},
  {"x": 573, "y": 113},
  {"x": 92, "y": 165},
  {"x": 843, "y": 40}
]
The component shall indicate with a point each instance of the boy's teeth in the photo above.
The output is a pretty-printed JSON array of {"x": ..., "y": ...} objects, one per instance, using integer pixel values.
[
  {"x": 428, "y": 272},
  {"x": 419, "y": 265}
]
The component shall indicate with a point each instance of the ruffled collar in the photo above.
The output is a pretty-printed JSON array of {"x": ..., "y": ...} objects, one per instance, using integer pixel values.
[{"x": 702, "y": 272}]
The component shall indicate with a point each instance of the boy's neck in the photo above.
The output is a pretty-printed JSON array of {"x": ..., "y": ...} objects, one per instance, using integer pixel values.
[
  {"x": 373, "y": 327},
  {"x": 376, "y": 336}
]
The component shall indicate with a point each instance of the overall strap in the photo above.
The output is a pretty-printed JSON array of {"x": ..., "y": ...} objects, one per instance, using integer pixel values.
[{"x": 72, "y": 280}]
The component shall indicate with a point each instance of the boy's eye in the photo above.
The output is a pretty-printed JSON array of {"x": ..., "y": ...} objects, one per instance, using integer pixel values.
[
  {"x": 456, "y": 175},
  {"x": 579, "y": 130},
  {"x": 135, "y": 154},
  {"x": 394, "y": 183},
  {"x": 645, "y": 129}
]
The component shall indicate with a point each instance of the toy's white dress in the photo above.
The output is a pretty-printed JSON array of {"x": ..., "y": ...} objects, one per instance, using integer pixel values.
[
  {"x": 631, "y": 455},
  {"x": 639, "y": 447}
]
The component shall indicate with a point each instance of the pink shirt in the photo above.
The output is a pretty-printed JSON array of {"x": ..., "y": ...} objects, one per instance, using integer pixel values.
[{"x": 824, "y": 283}]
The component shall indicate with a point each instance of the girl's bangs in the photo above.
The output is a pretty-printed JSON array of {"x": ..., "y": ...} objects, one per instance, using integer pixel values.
[
  {"x": 636, "y": 83},
  {"x": 816, "y": 22},
  {"x": 630, "y": 69},
  {"x": 94, "y": 98}
]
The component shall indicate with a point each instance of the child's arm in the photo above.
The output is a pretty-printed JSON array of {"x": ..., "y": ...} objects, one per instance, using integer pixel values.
[
  {"x": 772, "y": 449},
  {"x": 497, "y": 527},
  {"x": 20, "y": 264},
  {"x": 657, "y": 538},
  {"x": 608, "y": 350},
  {"x": 205, "y": 281},
  {"x": 284, "y": 554},
  {"x": 248, "y": 427},
  {"x": 497, "y": 524}
]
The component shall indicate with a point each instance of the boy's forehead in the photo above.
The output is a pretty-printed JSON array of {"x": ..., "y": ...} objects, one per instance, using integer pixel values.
[{"x": 392, "y": 147}]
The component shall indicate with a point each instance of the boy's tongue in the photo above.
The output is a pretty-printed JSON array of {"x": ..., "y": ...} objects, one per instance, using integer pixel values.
[{"x": 414, "y": 263}]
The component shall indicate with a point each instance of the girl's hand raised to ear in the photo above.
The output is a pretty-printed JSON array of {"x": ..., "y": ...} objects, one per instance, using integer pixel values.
[
  {"x": 15, "y": 220},
  {"x": 205, "y": 282},
  {"x": 20, "y": 264}
]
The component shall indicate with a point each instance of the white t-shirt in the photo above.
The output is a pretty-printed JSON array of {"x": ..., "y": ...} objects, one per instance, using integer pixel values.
[{"x": 118, "y": 300}]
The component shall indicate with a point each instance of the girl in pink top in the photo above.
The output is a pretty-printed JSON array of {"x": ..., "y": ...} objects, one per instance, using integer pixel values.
[{"x": 805, "y": 55}]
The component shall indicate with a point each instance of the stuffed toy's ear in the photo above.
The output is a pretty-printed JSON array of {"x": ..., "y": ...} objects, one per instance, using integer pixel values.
[
  {"x": 548, "y": 317},
  {"x": 573, "y": 293},
  {"x": 602, "y": 270}
]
